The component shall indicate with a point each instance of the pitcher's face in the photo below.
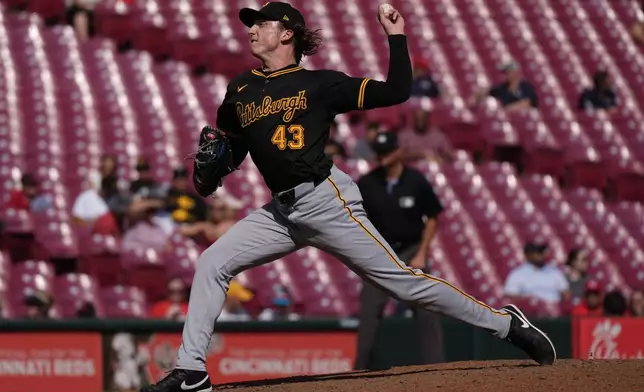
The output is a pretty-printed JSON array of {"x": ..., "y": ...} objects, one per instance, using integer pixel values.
[{"x": 265, "y": 37}]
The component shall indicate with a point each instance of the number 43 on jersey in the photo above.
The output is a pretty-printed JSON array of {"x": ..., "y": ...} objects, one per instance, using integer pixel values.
[{"x": 280, "y": 138}]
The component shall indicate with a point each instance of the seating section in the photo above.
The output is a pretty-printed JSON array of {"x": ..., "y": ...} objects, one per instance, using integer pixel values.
[{"x": 63, "y": 104}]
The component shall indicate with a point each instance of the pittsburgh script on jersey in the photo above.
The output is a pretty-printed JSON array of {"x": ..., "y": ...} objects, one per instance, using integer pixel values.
[{"x": 251, "y": 112}]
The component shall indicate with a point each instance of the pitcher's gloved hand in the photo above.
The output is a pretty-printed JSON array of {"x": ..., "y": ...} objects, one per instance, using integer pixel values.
[{"x": 212, "y": 162}]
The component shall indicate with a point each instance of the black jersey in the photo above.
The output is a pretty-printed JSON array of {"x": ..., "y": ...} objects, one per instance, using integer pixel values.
[{"x": 282, "y": 118}]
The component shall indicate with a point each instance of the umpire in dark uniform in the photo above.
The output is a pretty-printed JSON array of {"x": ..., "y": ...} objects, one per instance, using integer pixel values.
[{"x": 404, "y": 208}]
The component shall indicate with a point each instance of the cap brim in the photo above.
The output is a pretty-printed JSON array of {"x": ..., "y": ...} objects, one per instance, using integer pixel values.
[{"x": 248, "y": 16}]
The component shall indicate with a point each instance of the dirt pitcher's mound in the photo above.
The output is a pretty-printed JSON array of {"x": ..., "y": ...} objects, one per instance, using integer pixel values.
[{"x": 492, "y": 376}]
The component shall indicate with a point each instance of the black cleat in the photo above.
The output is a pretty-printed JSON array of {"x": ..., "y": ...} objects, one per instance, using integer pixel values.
[
  {"x": 529, "y": 338},
  {"x": 180, "y": 380}
]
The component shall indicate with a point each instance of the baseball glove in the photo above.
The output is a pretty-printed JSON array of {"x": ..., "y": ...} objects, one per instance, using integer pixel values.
[{"x": 212, "y": 162}]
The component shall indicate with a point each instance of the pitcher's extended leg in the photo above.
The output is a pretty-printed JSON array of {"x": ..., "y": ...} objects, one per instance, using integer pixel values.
[
  {"x": 345, "y": 231},
  {"x": 261, "y": 237}
]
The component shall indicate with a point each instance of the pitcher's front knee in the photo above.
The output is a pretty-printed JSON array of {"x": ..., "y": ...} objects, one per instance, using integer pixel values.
[{"x": 214, "y": 265}]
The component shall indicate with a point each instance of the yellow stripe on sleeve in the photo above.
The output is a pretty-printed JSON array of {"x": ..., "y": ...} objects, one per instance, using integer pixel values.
[{"x": 363, "y": 85}]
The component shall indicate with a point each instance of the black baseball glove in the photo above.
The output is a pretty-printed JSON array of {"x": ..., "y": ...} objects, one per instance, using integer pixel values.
[{"x": 212, "y": 162}]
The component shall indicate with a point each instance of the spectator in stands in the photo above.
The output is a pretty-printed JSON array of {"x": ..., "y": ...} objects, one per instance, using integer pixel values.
[
  {"x": 80, "y": 15},
  {"x": 175, "y": 306},
  {"x": 184, "y": 205},
  {"x": 236, "y": 297},
  {"x": 282, "y": 308},
  {"x": 90, "y": 209},
  {"x": 615, "y": 304},
  {"x": 108, "y": 166},
  {"x": 637, "y": 303},
  {"x": 38, "y": 305},
  {"x": 515, "y": 93},
  {"x": 577, "y": 273},
  {"x": 335, "y": 150},
  {"x": 28, "y": 197},
  {"x": 363, "y": 148},
  {"x": 223, "y": 215},
  {"x": 110, "y": 185},
  {"x": 592, "y": 300},
  {"x": 145, "y": 183},
  {"x": 152, "y": 225},
  {"x": 537, "y": 278},
  {"x": 423, "y": 84},
  {"x": 601, "y": 96},
  {"x": 424, "y": 141}
]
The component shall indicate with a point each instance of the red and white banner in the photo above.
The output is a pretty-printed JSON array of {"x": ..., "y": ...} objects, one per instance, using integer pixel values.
[
  {"x": 51, "y": 361},
  {"x": 608, "y": 338},
  {"x": 237, "y": 357}
]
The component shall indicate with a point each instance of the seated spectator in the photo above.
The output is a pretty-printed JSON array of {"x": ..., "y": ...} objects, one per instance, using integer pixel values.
[
  {"x": 514, "y": 93},
  {"x": 601, "y": 96},
  {"x": 38, "y": 305},
  {"x": 114, "y": 191},
  {"x": 236, "y": 297},
  {"x": 591, "y": 304},
  {"x": 423, "y": 84},
  {"x": 108, "y": 166},
  {"x": 577, "y": 273},
  {"x": 537, "y": 278},
  {"x": 282, "y": 307},
  {"x": 363, "y": 148},
  {"x": 151, "y": 227},
  {"x": 223, "y": 215},
  {"x": 615, "y": 304},
  {"x": 424, "y": 141},
  {"x": 637, "y": 303},
  {"x": 184, "y": 205},
  {"x": 89, "y": 208},
  {"x": 175, "y": 306},
  {"x": 28, "y": 197},
  {"x": 81, "y": 17},
  {"x": 110, "y": 183},
  {"x": 335, "y": 150},
  {"x": 144, "y": 184}
]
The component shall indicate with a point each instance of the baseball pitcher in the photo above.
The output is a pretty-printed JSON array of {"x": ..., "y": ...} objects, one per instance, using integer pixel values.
[{"x": 280, "y": 114}]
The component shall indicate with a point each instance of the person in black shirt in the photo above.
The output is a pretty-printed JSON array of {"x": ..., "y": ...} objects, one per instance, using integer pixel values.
[
  {"x": 184, "y": 205},
  {"x": 515, "y": 93},
  {"x": 601, "y": 96},
  {"x": 403, "y": 207},
  {"x": 280, "y": 114},
  {"x": 145, "y": 183}
]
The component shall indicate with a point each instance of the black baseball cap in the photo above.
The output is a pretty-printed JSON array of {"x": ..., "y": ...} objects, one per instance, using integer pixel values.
[
  {"x": 385, "y": 143},
  {"x": 275, "y": 10}
]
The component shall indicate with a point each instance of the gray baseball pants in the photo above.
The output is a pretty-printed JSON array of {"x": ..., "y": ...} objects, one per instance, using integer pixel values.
[
  {"x": 372, "y": 306},
  {"x": 331, "y": 218}
]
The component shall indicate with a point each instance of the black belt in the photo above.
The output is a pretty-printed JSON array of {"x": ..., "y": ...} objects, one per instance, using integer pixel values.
[{"x": 288, "y": 197}]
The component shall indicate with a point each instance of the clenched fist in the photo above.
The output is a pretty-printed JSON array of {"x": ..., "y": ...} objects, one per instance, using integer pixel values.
[{"x": 391, "y": 20}]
